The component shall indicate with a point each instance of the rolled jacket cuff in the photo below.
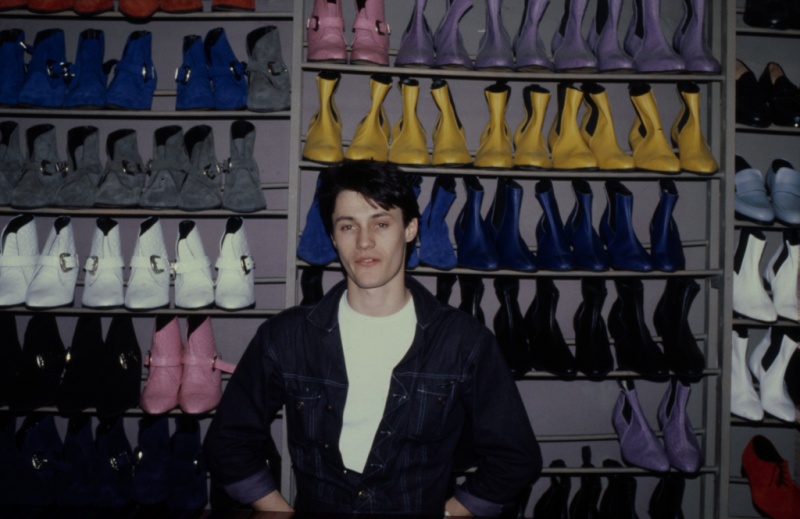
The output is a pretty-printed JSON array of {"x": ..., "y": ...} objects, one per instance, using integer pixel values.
[
  {"x": 477, "y": 506},
  {"x": 252, "y": 488}
]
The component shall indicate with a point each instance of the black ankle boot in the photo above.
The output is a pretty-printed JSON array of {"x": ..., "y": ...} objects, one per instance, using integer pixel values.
[
  {"x": 311, "y": 285},
  {"x": 619, "y": 499},
  {"x": 671, "y": 322},
  {"x": 41, "y": 365},
  {"x": 584, "y": 503},
  {"x": 592, "y": 347},
  {"x": 508, "y": 326},
  {"x": 444, "y": 287},
  {"x": 553, "y": 503},
  {"x": 79, "y": 387},
  {"x": 471, "y": 295},
  {"x": 665, "y": 503},
  {"x": 549, "y": 351},
  {"x": 10, "y": 354}
]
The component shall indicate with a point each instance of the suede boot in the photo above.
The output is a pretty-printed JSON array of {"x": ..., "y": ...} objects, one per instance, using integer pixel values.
[
  {"x": 102, "y": 283},
  {"x": 597, "y": 130},
  {"x": 553, "y": 502},
  {"x": 135, "y": 77},
  {"x": 92, "y": 7},
  {"x": 233, "y": 5},
  {"x": 549, "y": 350},
  {"x": 449, "y": 138},
  {"x": 371, "y": 138},
  {"x": 78, "y": 389},
  {"x": 88, "y": 78},
  {"x": 115, "y": 464},
  {"x": 194, "y": 287},
  {"x": 201, "y": 385},
  {"x": 471, "y": 288},
  {"x": 416, "y": 45},
  {"x": 651, "y": 151},
  {"x": 680, "y": 441},
  {"x": 41, "y": 365},
  {"x": 592, "y": 347},
  {"x": 10, "y": 357},
  {"x": 151, "y": 481},
  {"x": 603, "y": 40},
  {"x": 324, "y": 138},
  {"x": 53, "y": 285},
  {"x": 570, "y": 51},
  {"x": 552, "y": 248},
  {"x": 77, "y": 484},
  {"x": 234, "y": 287},
  {"x": 167, "y": 169},
  {"x": 502, "y": 224},
  {"x": 12, "y": 65},
  {"x": 447, "y": 40},
  {"x": 495, "y": 49},
  {"x": 201, "y": 189},
  {"x": 181, "y": 6},
  {"x": 625, "y": 251},
  {"x": 476, "y": 249},
  {"x": 191, "y": 79},
  {"x": 85, "y": 170},
  {"x": 531, "y": 54},
  {"x": 121, "y": 374},
  {"x": 325, "y": 32},
  {"x": 186, "y": 469},
  {"x": 509, "y": 328},
  {"x": 409, "y": 141},
  {"x": 645, "y": 41},
  {"x": 269, "y": 82},
  {"x": 530, "y": 148},
  {"x": 687, "y": 133},
  {"x": 690, "y": 42},
  {"x": 315, "y": 245},
  {"x": 228, "y": 78},
  {"x": 19, "y": 257},
  {"x": 45, "y": 77},
  {"x": 12, "y": 163},
  {"x": 494, "y": 150},
  {"x": 39, "y": 454},
  {"x": 568, "y": 148},
  {"x": 242, "y": 192},
  {"x": 148, "y": 283},
  {"x": 163, "y": 361},
  {"x": 124, "y": 176},
  {"x": 665, "y": 240},
  {"x": 638, "y": 444},
  {"x": 138, "y": 10},
  {"x": 671, "y": 320},
  {"x": 43, "y": 174},
  {"x": 587, "y": 248},
  {"x": 584, "y": 502},
  {"x": 370, "y": 34}
]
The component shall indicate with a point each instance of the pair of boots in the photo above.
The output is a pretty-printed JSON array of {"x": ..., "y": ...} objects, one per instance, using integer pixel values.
[
  {"x": 639, "y": 445},
  {"x": 325, "y": 33},
  {"x": 141, "y": 10},
  {"x": 81, "y": 7},
  {"x": 190, "y": 376}
]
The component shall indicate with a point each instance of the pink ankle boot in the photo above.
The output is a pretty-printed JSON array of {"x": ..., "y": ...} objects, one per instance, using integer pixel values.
[
  {"x": 201, "y": 387},
  {"x": 160, "y": 392},
  {"x": 371, "y": 40},
  {"x": 325, "y": 32}
]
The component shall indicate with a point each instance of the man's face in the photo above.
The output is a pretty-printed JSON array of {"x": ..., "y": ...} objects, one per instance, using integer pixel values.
[{"x": 371, "y": 241}]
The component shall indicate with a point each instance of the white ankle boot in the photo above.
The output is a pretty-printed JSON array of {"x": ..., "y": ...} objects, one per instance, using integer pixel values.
[
  {"x": 234, "y": 286},
  {"x": 148, "y": 285},
  {"x": 768, "y": 364},
  {"x": 194, "y": 287},
  {"x": 53, "y": 285},
  {"x": 19, "y": 254},
  {"x": 781, "y": 275},
  {"x": 102, "y": 283},
  {"x": 744, "y": 399},
  {"x": 750, "y": 299}
]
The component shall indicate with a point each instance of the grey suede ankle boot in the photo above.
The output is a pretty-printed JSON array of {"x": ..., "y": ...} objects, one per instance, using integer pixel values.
[
  {"x": 168, "y": 169},
  {"x": 85, "y": 170},
  {"x": 44, "y": 172},
  {"x": 11, "y": 161},
  {"x": 242, "y": 180},
  {"x": 123, "y": 179},
  {"x": 270, "y": 85},
  {"x": 201, "y": 189}
]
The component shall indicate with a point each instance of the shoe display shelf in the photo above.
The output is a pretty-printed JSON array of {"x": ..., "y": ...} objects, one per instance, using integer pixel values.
[
  {"x": 576, "y": 412},
  {"x": 756, "y": 47}
]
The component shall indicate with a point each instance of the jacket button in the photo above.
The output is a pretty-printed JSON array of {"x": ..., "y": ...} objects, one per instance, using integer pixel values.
[
  {"x": 442, "y": 400},
  {"x": 362, "y": 494},
  {"x": 329, "y": 407},
  {"x": 299, "y": 405}
]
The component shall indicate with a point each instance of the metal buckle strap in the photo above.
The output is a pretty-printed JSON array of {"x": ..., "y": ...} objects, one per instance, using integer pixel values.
[
  {"x": 244, "y": 263},
  {"x": 18, "y": 261},
  {"x": 216, "y": 363},
  {"x": 161, "y": 361},
  {"x": 184, "y": 266},
  {"x": 154, "y": 262},
  {"x": 323, "y": 22},
  {"x": 65, "y": 261},
  {"x": 183, "y": 78},
  {"x": 95, "y": 263}
]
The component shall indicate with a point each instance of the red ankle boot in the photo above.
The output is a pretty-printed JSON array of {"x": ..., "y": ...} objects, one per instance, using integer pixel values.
[
  {"x": 49, "y": 6},
  {"x": 92, "y": 7},
  {"x": 771, "y": 486},
  {"x": 233, "y": 5},
  {"x": 181, "y": 6},
  {"x": 138, "y": 9}
]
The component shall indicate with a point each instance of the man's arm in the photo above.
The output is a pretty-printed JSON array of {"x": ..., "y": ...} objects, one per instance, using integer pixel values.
[{"x": 272, "y": 502}]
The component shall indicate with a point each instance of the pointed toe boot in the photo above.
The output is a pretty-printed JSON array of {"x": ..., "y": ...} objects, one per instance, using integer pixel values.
[
  {"x": 503, "y": 225},
  {"x": 102, "y": 282},
  {"x": 475, "y": 247},
  {"x": 645, "y": 40},
  {"x": 651, "y": 151},
  {"x": 625, "y": 251},
  {"x": 553, "y": 502},
  {"x": 409, "y": 141},
  {"x": 584, "y": 502},
  {"x": 85, "y": 169},
  {"x": 10, "y": 356},
  {"x": 88, "y": 79},
  {"x": 690, "y": 42},
  {"x": 12, "y": 65},
  {"x": 124, "y": 176},
  {"x": 471, "y": 288},
  {"x": 148, "y": 283},
  {"x": 680, "y": 441},
  {"x": 597, "y": 130},
  {"x": 449, "y": 138},
  {"x": 416, "y": 45},
  {"x": 530, "y": 147},
  {"x": 43, "y": 174},
  {"x": 186, "y": 468},
  {"x": 371, "y": 138},
  {"x": 325, "y": 33},
  {"x": 750, "y": 299},
  {"x": 772, "y": 490},
  {"x": 509, "y": 327},
  {"x": 41, "y": 365},
  {"x": 549, "y": 350},
  {"x": 92, "y": 7},
  {"x": 243, "y": 192},
  {"x": 671, "y": 320},
  {"x": 201, "y": 385},
  {"x": 447, "y": 40},
  {"x": 570, "y": 51},
  {"x": 552, "y": 246},
  {"x": 49, "y": 6},
  {"x": 135, "y": 76},
  {"x": 121, "y": 369},
  {"x": 53, "y": 285},
  {"x": 767, "y": 363},
  {"x": 494, "y": 150},
  {"x": 165, "y": 371},
  {"x": 19, "y": 258},
  {"x": 76, "y": 483},
  {"x": 39, "y": 451},
  {"x": 201, "y": 189},
  {"x": 194, "y": 287},
  {"x": 568, "y": 148},
  {"x": 435, "y": 246},
  {"x": 745, "y": 402},
  {"x": 529, "y": 50},
  {"x": 370, "y": 34},
  {"x": 619, "y": 498},
  {"x": 228, "y": 78},
  {"x": 12, "y": 163},
  {"x": 324, "y": 137},
  {"x": 592, "y": 347},
  {"x": 781, "y": 275},
  {"x": 602, "y": 38},
  {"x": 114, "y": 464},
  {"x": 666, "y": 248},
  {"x": 78, "y": 389},
  {"x": 588, "y": 252},
  {"x": 667, "y": 497},
  {"x": 138, "y": 10},
  {"x": 45, "y": 75},
  {"x": 234, "y": 288},
  {"x": 150, "y": 479},
  {"x": 181, "y": 6},
  {"x": 687, "y": 132},
  {"x": 192, "y": 82},
  {"x": 167, "y": 169},
  {"x": 494, "y": 50},
  {"x": 638, "y": 443},
  {"x": 269, "y": 84},
  {"x": 315, "y": 245}
]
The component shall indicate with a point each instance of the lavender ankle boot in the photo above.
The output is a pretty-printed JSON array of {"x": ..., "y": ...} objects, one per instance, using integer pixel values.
[
  {"x": 416, "y": 46},
  {"x": 570, "y": 51},
  {"x": 638, "y": 443},
  {"x": 449, "y": 45},
  {"x": 689, "y": 39},
  {"x": 528, "y": 45},
  {"x": 494, "y": 51},
  {"x": 646, "y": 43},
  {"x": 602, "y": 38}
]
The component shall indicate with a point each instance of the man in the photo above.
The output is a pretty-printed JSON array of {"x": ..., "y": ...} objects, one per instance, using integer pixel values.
[{"x": 379, "y": 380}]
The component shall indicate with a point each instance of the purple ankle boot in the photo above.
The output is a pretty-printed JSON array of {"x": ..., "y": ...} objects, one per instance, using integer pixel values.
[
  {"x": 416, "y": 46},
  {"x": 528, "y": 45},
  {"x": 570, "y": 51},
  {"x": 689, "y": 39},
  {"x": 602, "y": 38},
  {"x": 494, "y": 51},
  {"x": 646, "y": 43},
  {"x": 450, "y": 50}
]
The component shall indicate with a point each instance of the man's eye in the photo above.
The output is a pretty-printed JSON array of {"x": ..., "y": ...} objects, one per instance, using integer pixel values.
[{"x": 383, "y": 225}]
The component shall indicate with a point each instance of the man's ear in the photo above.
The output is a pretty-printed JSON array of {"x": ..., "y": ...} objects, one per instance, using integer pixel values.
[{"x": 411, "y": 230}]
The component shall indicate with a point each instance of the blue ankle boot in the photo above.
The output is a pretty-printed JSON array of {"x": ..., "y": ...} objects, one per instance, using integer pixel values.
[
  {"x": 88, "y": 79},
  {"x": 45, "y": 79},
  {"x": 315, "y": 244},
  {"x": 76, "y": 484},
  {"x": 150, "y": 479},
  {"x": 625, "y": 251},
  {"x": 665, "y": 240},
  {"x": 12, "y": 65},
  {"x": 227, "y": 73},
  {"x": 588, "y": 250},
  {"x": 476, "y": 249},
  {"x": 412, "y": 261},
  {"x": 435, "y": 247},
  {"x": 37, "y": 459},
  {"x": 135, "y": 77},
  {"x": 192, "y": 79},
  {"x": 502, "y": 224},
  {"x": 551, "y": 239},
  {"x": 187, "y": 470},
  {"x": 114, "y": 464}
]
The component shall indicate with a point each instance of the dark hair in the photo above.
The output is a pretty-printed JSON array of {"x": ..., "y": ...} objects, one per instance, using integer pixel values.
[{"x": 382, "y": 183}]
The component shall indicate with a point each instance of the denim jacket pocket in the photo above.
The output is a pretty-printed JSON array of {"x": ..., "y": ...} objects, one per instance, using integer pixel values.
[
  {"x": 304, "y": 406},
  {"x": 431, "y": 401}
]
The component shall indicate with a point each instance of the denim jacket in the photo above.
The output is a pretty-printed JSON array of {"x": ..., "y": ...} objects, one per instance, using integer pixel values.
[{"x": 453, "y": 376}]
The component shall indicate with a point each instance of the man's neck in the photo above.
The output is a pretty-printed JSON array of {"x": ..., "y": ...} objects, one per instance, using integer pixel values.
[{"x": 377, "y": 302}]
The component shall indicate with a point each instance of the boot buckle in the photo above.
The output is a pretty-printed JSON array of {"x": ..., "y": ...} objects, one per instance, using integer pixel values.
[
  {"x": 154, "y": 262},
  {"x": 93, "y": 261},
  {"x": 247, "y": 264},
  {"x": 273, "y": 70},
  {"x": 212, "y": 170},
  {"x": 62, "y": 260},
  {"x": 378, "y": 24},
  {"x": 187, "y": 73},
  {"x": 315, "y": 19},
  {"x": 38, "y": 461},
  {"x": 147, "y": 75},
  {"x": 237, "y": 68},
  {"x": 130, "y": 171}
]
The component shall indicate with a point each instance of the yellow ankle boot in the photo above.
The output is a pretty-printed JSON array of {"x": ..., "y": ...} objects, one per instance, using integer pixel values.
[
  {"x": 651, "y": 151},
  {"x": 687, "y": 134},
  {"x": 494, "y": 150},
  {"x": 449, "y": 139},
  {"x": 371, "y": 139},
  {"x": 324, "y": 139},
  {"x": 409, "y": 141},
  {"x": 597, "y": 129},
  {"x": 566, "y": 144},
  {"x": 530, "y": 150}
]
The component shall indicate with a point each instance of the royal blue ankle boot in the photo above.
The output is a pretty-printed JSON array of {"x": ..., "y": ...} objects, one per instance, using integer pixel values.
[
  {"x": 45, "y": 79},
  {"x": 625, "y": 251},
  {"x": 88, "y": 79},
  {"x": 476, "y": 249},
  {"x": 666, "y": 248},
  {"x": 192, "y": 79},
  {"x": 435, "y": 247},
  {"x": 114, "y": 464},
  {"x": 588, "y": 250},
  {"x": 227, "y": 73},
  {"x": 502, "y": 224},
  {"x": 76, "y": 484},
  {"x": 150, "y": 479},
  {"x": 12, "y": 65},
  {"x": 315, "y": 244},
  {"x": 552, "y": 244},
  {"x": 135, "y": 75}
]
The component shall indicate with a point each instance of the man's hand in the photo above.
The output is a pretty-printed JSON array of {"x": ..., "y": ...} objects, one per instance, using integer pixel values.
[
  {"x": 272, "y": 502},
  {"x": 456, "y": 509}
]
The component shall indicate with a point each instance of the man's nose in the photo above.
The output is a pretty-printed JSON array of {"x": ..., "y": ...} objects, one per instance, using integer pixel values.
[{"x": 365, "y": 240}]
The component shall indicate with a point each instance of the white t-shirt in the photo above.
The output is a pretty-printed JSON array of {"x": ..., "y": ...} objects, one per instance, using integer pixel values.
[{"x": 373, "y": 346}]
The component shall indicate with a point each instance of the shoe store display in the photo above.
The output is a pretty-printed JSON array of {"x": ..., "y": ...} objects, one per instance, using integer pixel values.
[
  {"x": 666, "y": 248},
  {"x": 87, "y": 77},
  {"x": 449, "y": 137},
  {"x": 750, "y": 299},
  {"x": 186, "y": 469},
  {"x": 10, "y": 355},
  {"x": 114, "y": 464},
  {"x": 782, "y": 181},
  {"x": 592, "y": 347},
  {"x": 751, "y": 199},
  {"x": 773, "y": 492},
  {"x": 645, "y": 41},
  {"x": 124, "y": 177},
  {"x": 671, "y": 320},
  {"x": 44, "y": 172},
  {"x": 651, "y": 151},
  {"x": 494, "y": 150},
  {"x": 180, "y": 6},
  {"x": 167, "y": 169},
  {"x": 553, "y": 503},
  {"x": 269, "y": 84},
  {"x": 120, "y": 373},
  {"x": 567, "y": 146},
  {"x": 92, "y": 7},
  {"x": 19, "y": 259},
  {"x": 625, "y": 251},
  {"x": 666, "y": 500},
  {"x": 38, "y": 454},
  {"x": 242, "y": 191},
  {"x": 597, "y": 130},
  {"x": 84, "y": 169},
  {"x": 472, "y": 288},
  {"x": 435, "y": 245},
  {"x": 767, "y": 14},
  {"x": 79, "y": 383},
  {"x": 509, "y": 328},
  {"x": 528, "y": 46},
  {"x": 45, "y": 80},
  {"x": 409, "y": 145},
  {"x": 234, "y": 286},
  {"x": 76, "y": 482},
  {"x": 201, "y": 188},
  {"x": 549, "y": 350},
  {"x": 552, "y": 245},
  {"x": 138, "y": 10},
  {"x": 151, "y": 480},
  {"x": 149, "y": 279},
  {"x": 324, "y": 137},
  {"x": 502, "y": 224},
  {"x": 325, "y": 33},
  {"x": 687, "y": 132},
  {"x": 165, "y": 370},
  {"x": 371, "y": 138},
  {"x": 12, "y": 65},
  {"x": 12, "y": 163},
  {"x": 619, "y": 497},
  {"x": 228, "y": 77},
  {"x": 584, "y": 504},
  {"x": 475, "y": 247},
  {"x": 192, "y": 81},
  {"x": 41, "y": 365}
]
